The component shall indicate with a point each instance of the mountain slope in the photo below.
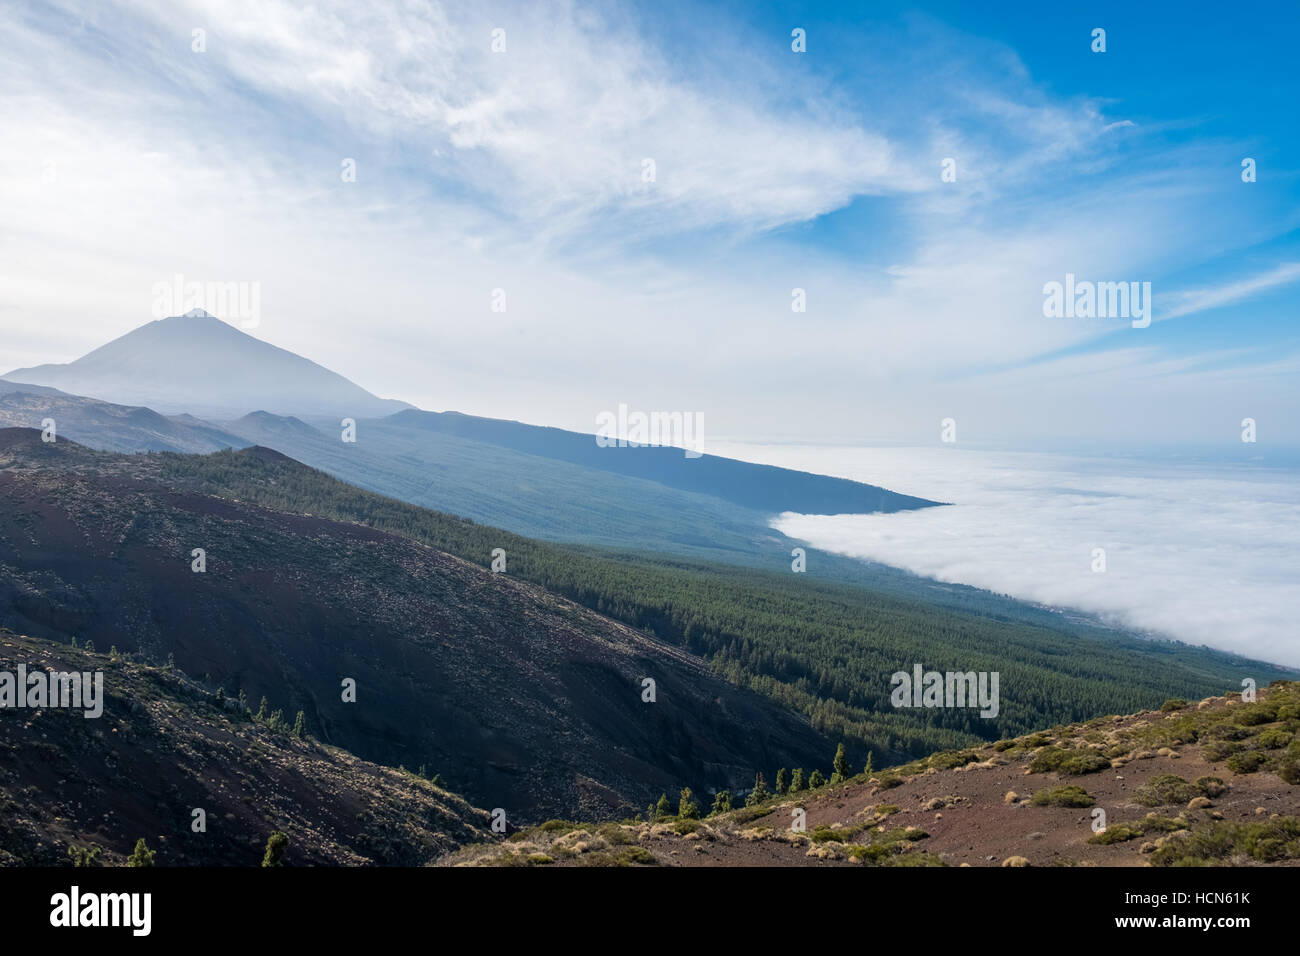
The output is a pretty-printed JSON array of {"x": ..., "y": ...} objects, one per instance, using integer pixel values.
[
  {"x": 763, "y": 488},
  {"x": 527, "y": 494},
  {"x": 1215, "y": 783},
  {"x": 518, "y": 698},
  {"x": 165, "y": 745},
  {"x": 108, "y": 426},
  {"x": 820, "y": 647},
  {"x": 201, "y": 365}
]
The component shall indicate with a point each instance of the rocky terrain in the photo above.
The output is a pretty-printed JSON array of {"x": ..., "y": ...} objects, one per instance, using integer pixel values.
[
  {"x": 1209, "y": 783},
  {"x": 165, "y": 746}
]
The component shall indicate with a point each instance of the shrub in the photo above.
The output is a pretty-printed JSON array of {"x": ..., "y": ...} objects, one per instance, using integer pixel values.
[
  {"x": 559, "y": 827},
  {"x": 1116, "y": 833},
  {"x": 1248, "y": 761},
  {"x": 1216, "y": 750},
  {"x": 84, "y": 856},
  {"x": 1210, "y": 786},
  {"x": 1172, "y": 704},
  {"x": 1220, "y": 841},
  {"x": 1071, "y": 796},
  {"x": 1068, "y": 762},
  {"x": 823, "y": 834},
  {"x": 1275, "y": 738},
  {"x": 1289, "y": 770},
  {"x": 816, "y": 780},
  {"x": 946, "y": 761},
  {"x": 1263, "y": 712},
  {"x": 1165, "y": 789},
  {"x": 1227, "y": 731}
]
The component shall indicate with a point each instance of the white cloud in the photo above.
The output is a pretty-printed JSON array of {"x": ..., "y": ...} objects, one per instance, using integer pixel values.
[
  {"x": 1205, "y": 554},
  {"x": 522, "y": 171},
  {"x": 1191, "y": 301}
]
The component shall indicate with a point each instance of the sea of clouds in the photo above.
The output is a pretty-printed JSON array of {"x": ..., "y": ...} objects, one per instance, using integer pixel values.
[{"x": 1207, "y": 553}]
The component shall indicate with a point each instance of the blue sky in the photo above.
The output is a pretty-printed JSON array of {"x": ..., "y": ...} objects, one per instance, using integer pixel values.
[{"x": 128, "y": 157}]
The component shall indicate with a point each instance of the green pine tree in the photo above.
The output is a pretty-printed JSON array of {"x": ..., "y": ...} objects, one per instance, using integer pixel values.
[
  {"x": 300, "y": 729},
  {"x": 815, "y": 780},
  {"x": 781, "y": 784},
  {"x": 759, "y": 793},
  {"x": 261, "y": 711},
  {"x": 796, "y": 780},
  {"x": 841, "y": 766},
  {"x": 869, "y": 769},
  {"x": 141, "y": 855},
  {"x": 84, "y": 855},
  {"x": 276, "y": 844},
  {"x": 687, "y": 808},
  {"x": 721, "y": 802},
  {"x": 663, "y": 809}
]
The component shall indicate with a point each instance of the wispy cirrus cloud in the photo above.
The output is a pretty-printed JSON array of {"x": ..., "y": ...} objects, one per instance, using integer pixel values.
[
  {"x": 523, "y": 170},
  {"x": 1191, "y": 301}
]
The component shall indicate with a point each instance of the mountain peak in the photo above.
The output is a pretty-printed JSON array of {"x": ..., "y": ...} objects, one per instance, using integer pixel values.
[{"x": 199, "y": 364}]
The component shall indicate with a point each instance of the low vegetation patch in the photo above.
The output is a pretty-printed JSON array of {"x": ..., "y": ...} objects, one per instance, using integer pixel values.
[
  {"x": 1169, "y": 788},
  {"x": 1070, "y": 796},
  {"x": 1071, "y": 763},
  {"x": 1220, "y": 842}
]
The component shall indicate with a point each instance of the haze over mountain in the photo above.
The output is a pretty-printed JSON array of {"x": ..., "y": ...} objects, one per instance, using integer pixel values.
[
  {"x": 531, "y": 479},
  {"x": 106, "y": 425},
  {"x": 198, "y": 364}
]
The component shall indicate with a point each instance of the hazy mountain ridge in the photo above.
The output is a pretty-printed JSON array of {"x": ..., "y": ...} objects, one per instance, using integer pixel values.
[
  {"x": 109, "y": 426},
  {"x": 764, "y": 488}
]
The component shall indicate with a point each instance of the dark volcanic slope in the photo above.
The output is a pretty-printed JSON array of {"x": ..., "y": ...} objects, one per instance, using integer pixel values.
[
  {"x": 520, "y": 699},
  {"x": 164, "y": 746}
]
